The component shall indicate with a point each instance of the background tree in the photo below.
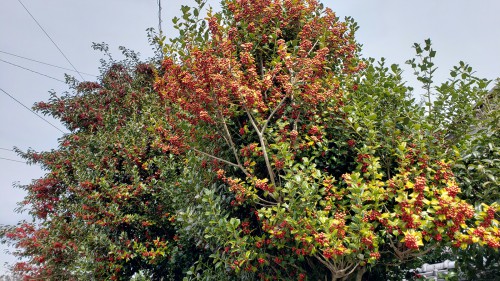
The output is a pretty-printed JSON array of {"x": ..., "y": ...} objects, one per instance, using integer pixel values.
[
  {"x": 106, "y": 207},
  {"x": 479, "y": 170},
  {"x": 464, "y": 111},
  {"x": 448, "y": 110}
]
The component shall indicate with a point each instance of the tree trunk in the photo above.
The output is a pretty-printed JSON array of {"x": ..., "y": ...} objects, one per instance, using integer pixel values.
[{"x": 359, "y": 273}]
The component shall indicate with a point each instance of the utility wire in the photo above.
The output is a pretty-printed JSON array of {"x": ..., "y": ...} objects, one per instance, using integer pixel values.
[
  {"x": 159, "y": 18},
  {"x": 31, "y": 110},
  {"x": 13, "y": 160},
  {"x": 60, "y": 67},
  {"x": 1, "y": 148},
  {"x": 51, "y": 39},
  {"x": 39, "y": 73}
]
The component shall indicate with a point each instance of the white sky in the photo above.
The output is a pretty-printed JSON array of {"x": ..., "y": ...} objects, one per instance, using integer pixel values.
[{"x": 460, "y": 30}]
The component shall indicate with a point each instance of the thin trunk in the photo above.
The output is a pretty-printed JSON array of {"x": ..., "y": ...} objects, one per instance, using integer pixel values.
[{"x": 359, "y": 274}]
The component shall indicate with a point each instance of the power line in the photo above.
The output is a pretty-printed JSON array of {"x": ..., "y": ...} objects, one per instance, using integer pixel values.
[
  {"x": 51, "y": 39},
  {"x": 13, "y": 160},
  {"x": 159, "y": 18},
  {"x": 31, "y": 110},
  {"x": 60, "y": 67},
  {"x": 1, "y": 148},
  {"x": 39, "y": 73}
]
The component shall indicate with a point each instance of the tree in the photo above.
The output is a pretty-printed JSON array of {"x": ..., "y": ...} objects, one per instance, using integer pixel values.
[
  {"x": 263, "y": 147},
  {"x": 106, "y": 207},
  {"x": 324, "y": 181}
]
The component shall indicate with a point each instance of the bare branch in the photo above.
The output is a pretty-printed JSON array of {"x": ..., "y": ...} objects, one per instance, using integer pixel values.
[
  {"x": 273, "y": 112},
  {"x": 354, "y": 267},
  {"x": 216, "y": 158},
  {"x": 265, "y": 201},
  {"x": 325, "y": 262},
  {"x": 409, "y": 253},
  {"x": 233, "y": 146},
  {"x": 312, "y": 48},
  {"x": 263, "y": 147},
  {"x": 252, "y": 121}
]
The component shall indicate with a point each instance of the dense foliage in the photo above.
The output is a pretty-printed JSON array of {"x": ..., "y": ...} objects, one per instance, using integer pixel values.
[
  {"x": 106, "y": 208},
  {"x": 478, "y": 171},
  {"x": 261, "y": 146}
]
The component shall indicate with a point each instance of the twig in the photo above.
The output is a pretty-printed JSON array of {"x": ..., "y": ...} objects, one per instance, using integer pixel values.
[
  {"x": 273, "y": 112},
  {"x": 233, "y": 146},
  {"x": 216, "y": 158}
]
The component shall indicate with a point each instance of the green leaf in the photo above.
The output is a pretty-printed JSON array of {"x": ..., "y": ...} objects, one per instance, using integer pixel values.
[{"x": 185, "y": 9}]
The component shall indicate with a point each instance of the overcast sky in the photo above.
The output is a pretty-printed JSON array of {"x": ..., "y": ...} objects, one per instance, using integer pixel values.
[{"x": 460, "y": 30}]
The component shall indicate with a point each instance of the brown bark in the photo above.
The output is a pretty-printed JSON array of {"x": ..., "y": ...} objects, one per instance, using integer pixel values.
[{"x": 359, "y": 273}]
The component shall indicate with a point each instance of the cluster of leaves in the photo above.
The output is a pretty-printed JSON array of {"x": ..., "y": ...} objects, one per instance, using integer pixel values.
[{"x": 263, "y": 147}]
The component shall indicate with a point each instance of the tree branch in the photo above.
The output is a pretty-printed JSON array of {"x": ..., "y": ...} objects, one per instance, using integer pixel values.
[
  {"x": 325, "y": 262},
  {"x": 263, "y": 148},
  {"x": 216, "y": 158},
  {"x": 233, "y": 146},
  {"x": 312, "y": 48},
  {"x": 273, "y": 112}
]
